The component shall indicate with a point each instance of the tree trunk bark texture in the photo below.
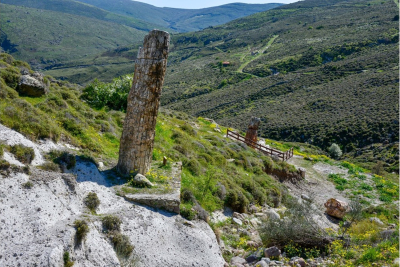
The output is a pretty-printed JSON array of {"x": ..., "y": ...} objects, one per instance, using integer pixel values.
[
  {"x": 251, "y": 133},
  {"x": 137, "y": 140}
]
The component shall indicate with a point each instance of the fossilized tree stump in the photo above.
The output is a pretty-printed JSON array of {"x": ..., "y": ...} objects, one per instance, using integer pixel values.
[
  {"x": 137, "y": 140},
  {"x": 251, "y": 133}
]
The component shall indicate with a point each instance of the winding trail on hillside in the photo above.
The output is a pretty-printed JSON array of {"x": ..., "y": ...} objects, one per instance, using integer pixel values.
[{"x": 260, "y": 53}]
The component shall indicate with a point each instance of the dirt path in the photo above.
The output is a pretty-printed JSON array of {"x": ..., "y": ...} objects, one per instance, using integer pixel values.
[
  {"x": 316, "y": 184},
  {"x": 260, "y": 53}
]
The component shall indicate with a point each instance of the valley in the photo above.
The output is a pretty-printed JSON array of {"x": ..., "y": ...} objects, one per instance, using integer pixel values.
[{"x": 321, "y": 76}]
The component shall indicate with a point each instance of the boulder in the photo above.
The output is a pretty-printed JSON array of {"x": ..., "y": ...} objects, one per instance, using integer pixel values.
[
  {"x": 272, "y": 215},
  {"x": 237, "y": 221},
  {"x": 262, "y": 264},
  {"x": 302, "y": 172},
  {"x": 387, "y": 234},
  {"x": 255, "y": 222},
  {"x": 238, "y": 261},
  {"x": 376, "y": 220},
  {"x": 141, "y": 180},
  {"x": 272, "y": 252},
  {"x": 33, "y": 85},
  {"x": 305, "y": 197},
  {"x": 252, "y": 258},
  {"x": 253, "y": 209},
  {"x": 299, "y": 262},
  {"x": 267, "y": 260},
  {"x": 240, "y": 216},
  {"x": 336, "y": 208}
]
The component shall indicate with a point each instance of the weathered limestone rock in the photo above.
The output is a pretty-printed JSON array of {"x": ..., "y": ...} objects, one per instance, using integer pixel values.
[
  {"x": 238, "y": 261},
  {"x": 137, "y": 138},
  {"x": 33, "y": 85},
  {"x": 169, "y": 201},
  {"x": 336, "y": 208},
  {"x": 251, "y": 133},
  {"x": 272, "y": 252},
  {"x": 141, "y": 180}
]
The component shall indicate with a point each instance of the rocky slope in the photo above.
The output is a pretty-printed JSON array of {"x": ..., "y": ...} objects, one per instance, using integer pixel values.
[{"x": 37, "y": 222}]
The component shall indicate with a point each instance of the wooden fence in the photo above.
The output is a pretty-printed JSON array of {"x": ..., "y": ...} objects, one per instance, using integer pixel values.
[{"x": 266, "y": 150}]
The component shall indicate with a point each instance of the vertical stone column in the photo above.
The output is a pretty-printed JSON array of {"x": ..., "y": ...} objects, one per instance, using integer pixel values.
[
  {"x": 251, "y": 133},
  {"x": 137, "y": 140}
]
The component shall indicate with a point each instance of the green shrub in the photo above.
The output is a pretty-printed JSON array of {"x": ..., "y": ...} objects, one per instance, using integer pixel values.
[
  {"x": 187, "y": 212},
  {"x": 72, "y": 126},
  {"x": 92, "y": 201},
  {"x": 121, "y": 243},
  {"x": 187, "y": 195},
  {"x": 112, "y": 95},
  {"x": 11, "y": 76},
  {"x": 1, "y": 151},
  {"x": 298, "y": 227},
  {"x": 23, "y": 154},
  {"x": 193, "y": 166},
  {"x": 63, "y": 158},
  {"x": 189, "y": 129},
  {"x": 4, "y": 165},
  {"x": 82, "y": 229},
  {"x": 67, "y": 261},
  {"x": 27, "y": 185},
  {"x": 111, "y": 223},
  {"x": 236, "y": 200},
  {"x": 335, "y": 151},
  {"x": 49, "y": 166}
]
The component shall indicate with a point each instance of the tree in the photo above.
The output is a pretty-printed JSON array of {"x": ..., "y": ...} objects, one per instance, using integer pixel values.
[{"x": 335, "y": 151}]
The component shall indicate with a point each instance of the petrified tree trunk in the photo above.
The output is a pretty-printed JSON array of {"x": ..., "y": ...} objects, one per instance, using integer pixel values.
[
  {"x": 136, "y": 147},
  {"x": 251, "y": 133}
]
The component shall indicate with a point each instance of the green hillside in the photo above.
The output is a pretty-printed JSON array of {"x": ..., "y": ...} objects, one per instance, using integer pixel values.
[
  {"x": 181, "y": 20},
  {"x": 45, "y": 38},
  {"x": 320, "y": 72},
  {"x": 84, "y": 10},
  {"x": 313, "y": 71}
]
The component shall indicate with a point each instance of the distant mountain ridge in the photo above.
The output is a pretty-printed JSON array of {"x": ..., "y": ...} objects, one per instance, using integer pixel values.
[
  {"x": 181, "y": 20},
  {"x": 48, "y": 37}
]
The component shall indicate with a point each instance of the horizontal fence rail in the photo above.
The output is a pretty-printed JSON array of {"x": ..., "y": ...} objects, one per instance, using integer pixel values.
[{"x": 266, "y": 150}]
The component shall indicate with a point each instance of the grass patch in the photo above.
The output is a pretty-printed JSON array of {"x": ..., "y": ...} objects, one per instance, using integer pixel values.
[
  {"x": 66, "y": 259},
  {"x": 92, "y": 201},
  {"x": 111, "y": 223},
  {"x": 82, "y": 229},
  {"x": 23, "y": 154}
]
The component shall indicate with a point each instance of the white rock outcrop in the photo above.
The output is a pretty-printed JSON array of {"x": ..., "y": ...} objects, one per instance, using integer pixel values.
[{"x": 36, "y": 227}]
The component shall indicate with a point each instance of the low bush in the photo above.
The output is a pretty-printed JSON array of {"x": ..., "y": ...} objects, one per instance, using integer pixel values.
[
  {"x": 187, "y": 212},
  {"x": 335, "y": 151},
  {"x": 92, "y": 201},
  {"x": 63, "y": 158},
  {"x": 67, "y": 261},
  {"x": 121, "y": 244},
  {"x": 27, "y": 185},
  {"x": 82, "y": 229},
  {"x": 1, "y": 151},
  {"x": 112, "y": 95},
  {"x": 50, "y": 166},
  {"x": 236, "y": 200},
  {"x": 4, "y": 165},
  {"x": 298, "y": 228},
  {"x": 23, "y": 154},
  {"x": 189, "y": 129},
  {"x": 193, "y": 166},
  {"x": 111, "y": 223}
]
